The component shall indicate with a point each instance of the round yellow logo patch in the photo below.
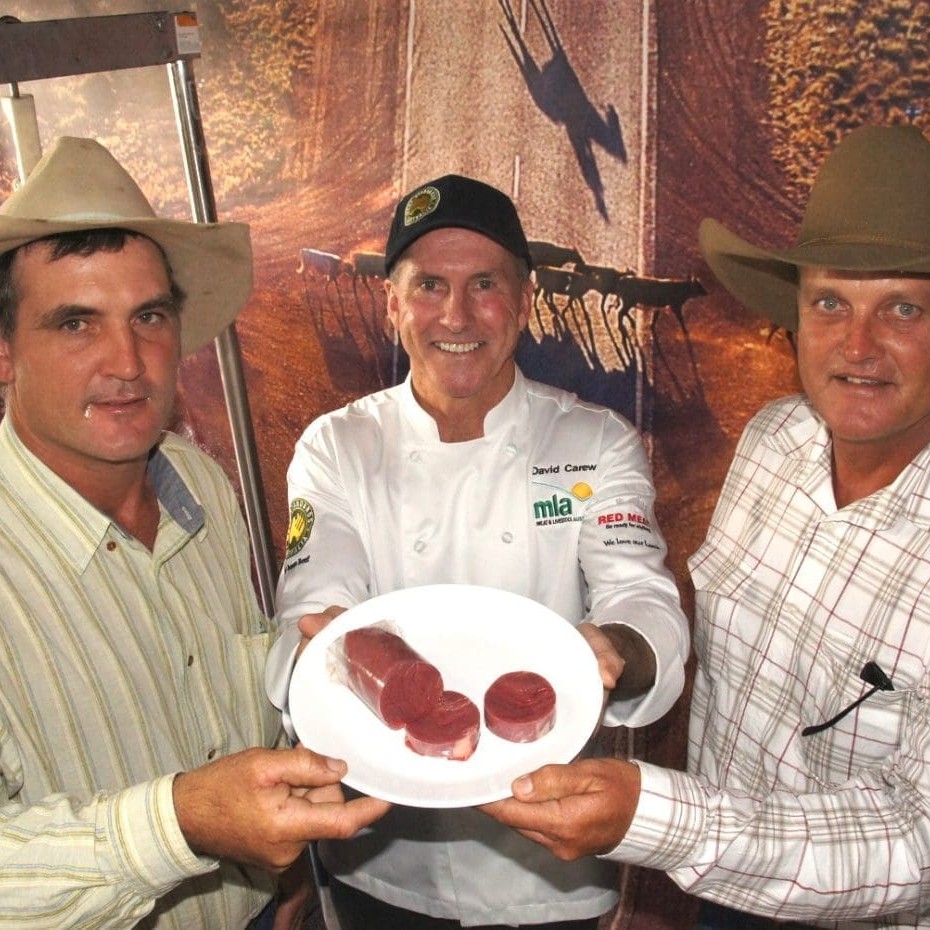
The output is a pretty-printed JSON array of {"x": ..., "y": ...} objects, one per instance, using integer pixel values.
[{"x": 299, "y": 526}]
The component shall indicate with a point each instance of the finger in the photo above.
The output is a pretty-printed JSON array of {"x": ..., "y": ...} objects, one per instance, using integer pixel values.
[
  {"x": 551, "y": 783},
  {"x": 609, "y": 662},
  {"x": 328, "y": 794},
  {"x": 311, "y": 624},
  {"x": 527, "y": 818},
  {"x": 335, "y": 821},
  {"x": 302, "y": 768}
]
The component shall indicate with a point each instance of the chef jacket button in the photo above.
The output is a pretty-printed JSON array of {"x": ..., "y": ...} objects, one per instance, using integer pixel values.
[
  {"x": 419, "y": 546},
  {"x": 510, "y": 448},
  {"x": 507, "y": 537},
  {"x": 416, "y": 457}
]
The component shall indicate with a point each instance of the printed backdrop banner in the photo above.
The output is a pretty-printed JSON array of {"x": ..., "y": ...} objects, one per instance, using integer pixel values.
[{"x": 616, "y": 126}]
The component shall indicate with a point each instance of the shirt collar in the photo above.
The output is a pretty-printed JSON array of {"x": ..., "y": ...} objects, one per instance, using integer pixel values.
[
  {"x": 803, "y": 436},
  {"x": 501, "y": 417},
  {"x": 75, "y": 527}
]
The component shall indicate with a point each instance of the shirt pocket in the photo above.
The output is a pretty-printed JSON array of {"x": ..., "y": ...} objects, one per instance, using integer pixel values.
[{"x": 874, "y": 729}]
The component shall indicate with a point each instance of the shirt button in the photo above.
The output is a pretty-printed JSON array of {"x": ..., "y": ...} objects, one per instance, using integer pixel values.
[
  {"x": 211, "y": 753},
  {"x": 507, "y": 537},
  {"x": 190, "y": 661},
  {"x": 111, "y": 546},
  {"x": 419, "y": 546}
]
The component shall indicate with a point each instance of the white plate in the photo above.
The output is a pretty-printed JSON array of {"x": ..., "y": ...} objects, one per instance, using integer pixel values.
[{"x": 472, "y": 634}]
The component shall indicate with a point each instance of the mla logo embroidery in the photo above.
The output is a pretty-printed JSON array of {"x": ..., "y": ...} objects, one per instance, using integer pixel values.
[
  {"x": 421, "y": 203},
  {"x": 299, "y": 526},
  {"x": 559, "y": 508}
]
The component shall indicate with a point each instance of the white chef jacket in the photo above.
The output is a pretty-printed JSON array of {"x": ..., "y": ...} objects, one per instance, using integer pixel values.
[{"x": 554, "y": 502}]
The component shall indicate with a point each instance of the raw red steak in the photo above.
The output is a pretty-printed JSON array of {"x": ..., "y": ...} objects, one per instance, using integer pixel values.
[
  {"x": 450, "y": 730},
  {"x": 395, "y": 681},
  {"x": 520, "y": 707}
]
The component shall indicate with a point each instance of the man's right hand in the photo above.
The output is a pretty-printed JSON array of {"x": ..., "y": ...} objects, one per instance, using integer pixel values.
[
  {"x": 263, "y": 806},
  {"x": 311, "y": 624}
]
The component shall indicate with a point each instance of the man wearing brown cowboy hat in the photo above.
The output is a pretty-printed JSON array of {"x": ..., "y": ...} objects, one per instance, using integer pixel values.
[
  {"x": 808, "y": 796},
  {"x": 131, "y": 643}
]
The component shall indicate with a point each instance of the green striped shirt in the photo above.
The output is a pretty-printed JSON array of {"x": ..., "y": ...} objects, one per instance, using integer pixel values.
[{"x": 118, "y": 667}]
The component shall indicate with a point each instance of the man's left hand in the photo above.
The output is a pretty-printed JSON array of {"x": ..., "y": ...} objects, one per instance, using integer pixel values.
[
  {"x": 624, "y": 658},
  {"x": 609, "y": 662},
  {"x": 575, "y": 810}
]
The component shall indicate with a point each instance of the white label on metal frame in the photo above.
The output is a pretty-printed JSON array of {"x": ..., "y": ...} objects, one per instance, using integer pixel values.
[{"x": 188, "y": 33}]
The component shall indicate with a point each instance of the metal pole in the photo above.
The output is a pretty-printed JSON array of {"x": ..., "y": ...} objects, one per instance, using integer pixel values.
[{"x": 203, "y": 205}]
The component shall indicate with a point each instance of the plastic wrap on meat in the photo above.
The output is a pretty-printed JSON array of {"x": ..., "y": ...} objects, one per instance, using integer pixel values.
[
  {"x": 450, "y": 730},
  {"x": 520, "y": 707},
  {"x": 394, "y": 680}
]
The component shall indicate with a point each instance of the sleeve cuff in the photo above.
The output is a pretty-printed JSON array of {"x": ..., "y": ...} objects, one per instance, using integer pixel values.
[
  {"x": 280, "y": 665},
  {"x": 142, "y": 828},
  {"x": 670, "y": 819},
  {"x": 669, "y": 684}
]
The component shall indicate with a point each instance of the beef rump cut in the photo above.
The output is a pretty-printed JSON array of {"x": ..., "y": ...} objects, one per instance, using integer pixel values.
[
  {"x": 394, "y": 680},
  {"x": 520, "y": 707},
  {"x": 450, "y": 730}
]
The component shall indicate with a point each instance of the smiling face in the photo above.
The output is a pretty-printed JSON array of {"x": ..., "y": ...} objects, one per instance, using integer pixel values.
[
  {"x": 459, "y": 302},
  {"x": 91, "y": 365},
  {"x": 864, "y": 361}
]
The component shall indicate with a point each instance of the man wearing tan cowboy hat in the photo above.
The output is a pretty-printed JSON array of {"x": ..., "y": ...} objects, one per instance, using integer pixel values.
[
  {"x": 809, "y": 792},
  {"x": 131, "y": 643},
  {"x": 451, "y": 477}
]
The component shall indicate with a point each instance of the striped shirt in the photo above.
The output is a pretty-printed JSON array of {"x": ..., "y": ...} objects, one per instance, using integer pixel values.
[
  {"x": 794, "y": 597},
  {"x": 118, "y": 667}
]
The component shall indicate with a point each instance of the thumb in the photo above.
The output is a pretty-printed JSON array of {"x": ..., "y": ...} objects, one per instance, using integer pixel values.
[{"x": 523, "y": 788}]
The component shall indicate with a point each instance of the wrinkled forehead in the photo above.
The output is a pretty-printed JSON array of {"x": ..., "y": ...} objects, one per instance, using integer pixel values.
[
  {"x": 455, "y": 250},
  {"x": 807, "y": 274}
]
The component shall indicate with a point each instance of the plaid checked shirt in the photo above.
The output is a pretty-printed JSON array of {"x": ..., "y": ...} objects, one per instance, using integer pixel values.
[{"x": 793, "y": 598}]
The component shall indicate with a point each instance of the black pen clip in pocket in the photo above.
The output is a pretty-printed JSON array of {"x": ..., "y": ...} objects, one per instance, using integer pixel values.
[{"x": 872, "y": 675}]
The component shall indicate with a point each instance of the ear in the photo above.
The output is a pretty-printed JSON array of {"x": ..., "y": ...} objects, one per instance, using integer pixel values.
[
  {"x": 526, "y": 303},
  {"x": 393, "y": 311},
  {"x": 6, "y": 362}
]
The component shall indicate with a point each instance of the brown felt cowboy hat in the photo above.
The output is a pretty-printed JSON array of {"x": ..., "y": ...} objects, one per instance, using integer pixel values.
[
  {"x": 869, "y": 210},
  {"x": 79, "y": 185}
]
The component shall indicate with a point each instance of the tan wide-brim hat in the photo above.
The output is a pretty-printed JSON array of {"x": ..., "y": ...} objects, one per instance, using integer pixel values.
[
  {"x": 79, "y": 185},
  {"x": 869, "y": 211}
]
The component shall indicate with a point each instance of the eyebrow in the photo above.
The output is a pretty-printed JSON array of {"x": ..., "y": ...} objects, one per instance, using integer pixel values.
[{"x": 54, "y": 318}]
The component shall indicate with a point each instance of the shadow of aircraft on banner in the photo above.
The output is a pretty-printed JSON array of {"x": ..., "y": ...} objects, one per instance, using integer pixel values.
[{"x": 557, "y": 92}]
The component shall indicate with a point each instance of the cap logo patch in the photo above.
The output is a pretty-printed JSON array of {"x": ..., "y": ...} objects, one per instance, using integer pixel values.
[{"x": 421, "y": 203}]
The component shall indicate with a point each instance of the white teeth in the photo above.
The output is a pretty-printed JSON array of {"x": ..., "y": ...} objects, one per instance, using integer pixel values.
[
  {"x": 852, "y": 380},
  {"x": 458, "y": 347}
]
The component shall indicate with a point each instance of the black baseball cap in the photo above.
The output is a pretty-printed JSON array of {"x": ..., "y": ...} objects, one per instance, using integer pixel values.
[{"x": 453, "y": 200}]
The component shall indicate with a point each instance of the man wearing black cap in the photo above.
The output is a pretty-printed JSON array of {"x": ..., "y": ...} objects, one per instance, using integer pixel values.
[
  {"x": 470, "y": 473},
  {"x": 808, "y": 792}
]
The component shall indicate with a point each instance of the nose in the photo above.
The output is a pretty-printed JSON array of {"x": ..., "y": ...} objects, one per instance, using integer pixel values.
[
  {"x": 455, "y": 310},
  {"x": 122, "y": 357},
  {"x": 859, "y": 339}
]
